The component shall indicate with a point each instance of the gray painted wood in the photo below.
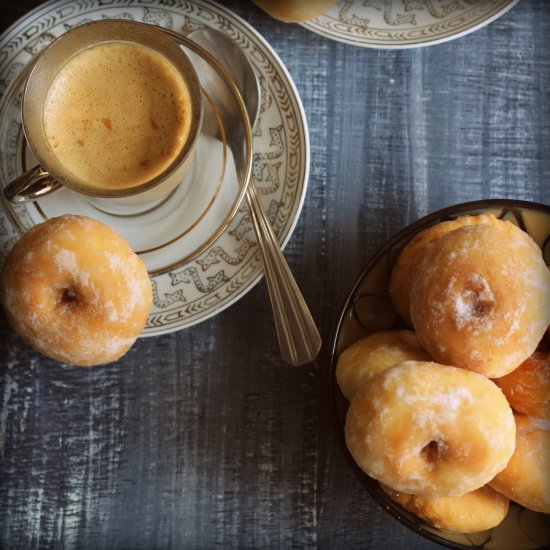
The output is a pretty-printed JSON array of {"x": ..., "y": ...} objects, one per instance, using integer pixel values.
[{"x": 204, "y": 438}]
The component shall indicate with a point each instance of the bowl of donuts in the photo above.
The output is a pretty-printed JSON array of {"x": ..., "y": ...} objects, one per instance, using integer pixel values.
[{"x": 440, "y": 376}]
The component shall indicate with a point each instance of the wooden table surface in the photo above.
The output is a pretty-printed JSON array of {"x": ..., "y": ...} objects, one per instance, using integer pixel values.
[{"x": 204, "y": 438}]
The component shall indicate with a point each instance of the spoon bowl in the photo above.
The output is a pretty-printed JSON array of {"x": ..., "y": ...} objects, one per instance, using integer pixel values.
[{"x": 228, "y": 53}]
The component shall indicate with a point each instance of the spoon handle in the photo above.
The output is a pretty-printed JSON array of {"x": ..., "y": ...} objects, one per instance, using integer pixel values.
[{"x": 299, "y": 339}]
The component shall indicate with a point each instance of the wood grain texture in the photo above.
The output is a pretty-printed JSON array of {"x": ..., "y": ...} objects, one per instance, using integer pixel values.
[{"x": 204, "y": 438}]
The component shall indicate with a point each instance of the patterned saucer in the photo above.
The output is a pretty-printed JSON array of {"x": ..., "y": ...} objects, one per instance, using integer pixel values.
[
  {"x": 185, "y": 292},
  {"x": 405, "y": 23},
  {"x": 368, "y": 309}
]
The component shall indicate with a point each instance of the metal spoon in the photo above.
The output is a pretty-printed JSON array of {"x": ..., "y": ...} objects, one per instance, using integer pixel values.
[{"x": 299, "y": 339}]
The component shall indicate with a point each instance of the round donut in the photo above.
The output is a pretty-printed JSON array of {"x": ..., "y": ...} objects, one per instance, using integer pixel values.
[
  {"x": 480, "y": 298},
  {"x": 372, "y": 354},
  {"x": 75, "y": 291},
  {"x": 527, "y": 388},
  {"x": 526, "y": 478},
  {"x": 295, "y": 11},
  {"x": 412, "y": 253},
  {"x": 430, "y": 430},
  {"x": 472, "y": 512}
]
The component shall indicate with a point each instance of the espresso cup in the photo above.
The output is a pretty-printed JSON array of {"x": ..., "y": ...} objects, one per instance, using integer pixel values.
[{"x": 111, "y": 109}]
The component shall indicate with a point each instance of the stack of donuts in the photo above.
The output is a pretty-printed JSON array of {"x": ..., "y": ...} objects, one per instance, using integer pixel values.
[{"x": 452, "y": 417}]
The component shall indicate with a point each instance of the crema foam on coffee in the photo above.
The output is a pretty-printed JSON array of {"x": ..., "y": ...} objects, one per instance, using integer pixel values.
[{"x": 117, "y": 115}]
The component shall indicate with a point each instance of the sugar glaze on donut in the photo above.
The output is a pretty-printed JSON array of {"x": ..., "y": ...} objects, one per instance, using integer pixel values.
[
  {"x": 430, "y": 430},
  {"x": 472, "y": 512},
  {"x": 481, "y": 298},
  {"x": 414, "y": 251},
  {"x": 374, "y": 353},
  {"x": 527, "y": 388},
  {"x": 75, "y": 290},
  {"x": 526, "y": 478}
]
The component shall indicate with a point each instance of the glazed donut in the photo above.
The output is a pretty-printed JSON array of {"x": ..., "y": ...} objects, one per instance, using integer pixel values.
[
  {"x": 480, "y": 298},
  {"x": 527, "y": 388},
  {"x": 412, "y": 253},
  {"x": 430, "y": 430},
  {"x": 472, "y": 512},
  {"x": 295, "y": 11},
  {"x": 374, "y": 353},
  {"x": 75, "y": 291},
  {"x": 526, "y": 478}
]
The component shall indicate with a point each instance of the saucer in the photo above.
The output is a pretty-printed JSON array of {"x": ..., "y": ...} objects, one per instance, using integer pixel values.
[
  {"x": 368, "y": 309},
  {"x": 187, "y": 288},
  {"x": 405, "y": 23}
]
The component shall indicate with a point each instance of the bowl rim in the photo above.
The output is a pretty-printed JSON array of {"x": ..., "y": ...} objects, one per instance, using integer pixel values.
[{"x": 368, "y": 483}]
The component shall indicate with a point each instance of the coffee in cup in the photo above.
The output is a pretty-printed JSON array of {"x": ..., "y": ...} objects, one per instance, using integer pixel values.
[
  {"x": 112, "y": 109},
  {"x": 117, "y": 115}
]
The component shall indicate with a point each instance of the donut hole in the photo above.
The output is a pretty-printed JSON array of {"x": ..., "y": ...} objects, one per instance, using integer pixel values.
[
  {"x": 475, "y": 302},
  {"x": 433, "y": 452},
  {"x": 480, "y": 307},
  {"x": 69, "y": 297}
]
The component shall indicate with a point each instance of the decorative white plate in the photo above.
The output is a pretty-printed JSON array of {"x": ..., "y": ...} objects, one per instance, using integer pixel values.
[
  {"x": 194, "y": 291},
  {"x": 405, "y": 23}
]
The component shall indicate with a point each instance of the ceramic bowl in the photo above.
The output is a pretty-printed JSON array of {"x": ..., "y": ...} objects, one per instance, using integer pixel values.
[{"x": 369, "y": 309}]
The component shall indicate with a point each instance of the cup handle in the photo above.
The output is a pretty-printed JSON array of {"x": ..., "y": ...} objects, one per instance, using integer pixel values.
[{"x": 31, "y": 185}]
